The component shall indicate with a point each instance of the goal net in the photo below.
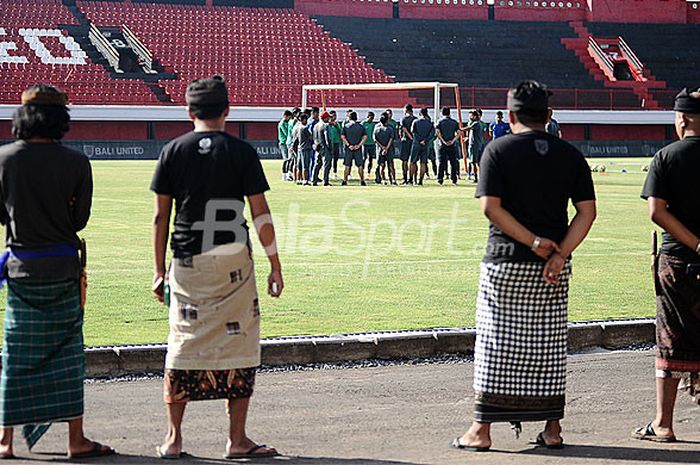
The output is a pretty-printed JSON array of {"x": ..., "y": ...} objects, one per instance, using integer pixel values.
[{"x": 363, "y": 98}]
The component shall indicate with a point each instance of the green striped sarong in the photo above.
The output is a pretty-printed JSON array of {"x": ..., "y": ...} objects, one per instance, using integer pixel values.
[{"x": 43, "y": 363}]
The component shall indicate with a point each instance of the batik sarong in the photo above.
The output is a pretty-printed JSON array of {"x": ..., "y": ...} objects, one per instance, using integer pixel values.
[
  {"x": 190, "y": 385},
  {"x": 521, "y": 342},
  {"x": 678, "y": 322},
  {"x": 43, "y": 363},
  {"x": 214, "y": 327}
]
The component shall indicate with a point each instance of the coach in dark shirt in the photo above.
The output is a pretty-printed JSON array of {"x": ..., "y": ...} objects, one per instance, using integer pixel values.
[
  {"x": 671, "y": 190},
  {"x": 447, "y": 132},
  {"x": 354, "y": 137},
  {"x": 406, "y": 140},
  {"x": 423, "y": 132}
]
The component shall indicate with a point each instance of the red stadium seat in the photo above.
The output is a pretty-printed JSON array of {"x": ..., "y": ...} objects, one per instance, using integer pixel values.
[{"x": 265, "y": 54}]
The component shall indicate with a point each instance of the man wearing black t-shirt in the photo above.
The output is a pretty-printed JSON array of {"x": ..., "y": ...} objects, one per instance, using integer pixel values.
[
  {"x": 423, "y": 132},
  {"x": 354, "y": 137},
  {"x": 214, "y": 346},
  {"x": 447, "y": 132},
  {"x": 671, "y": 190},
  {"x": 406, "y": 141},
  {"x": 520, "y": 353}
]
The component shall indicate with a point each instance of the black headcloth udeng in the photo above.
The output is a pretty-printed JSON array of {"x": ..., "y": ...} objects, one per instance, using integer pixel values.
[
  {"x": 687, "y": 101},
  {"x": 207, "y": 91}
]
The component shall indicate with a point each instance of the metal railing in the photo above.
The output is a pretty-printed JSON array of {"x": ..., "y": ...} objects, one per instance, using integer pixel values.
[
  {"x": 601, "y": 58},
  {"x": 141, "y": 51},
  {"x": 633, "y": 60},
  {"x": 104, "y": 47},
  {"x": 491, "y": 98},
  {"x": 564, "y": 99}
]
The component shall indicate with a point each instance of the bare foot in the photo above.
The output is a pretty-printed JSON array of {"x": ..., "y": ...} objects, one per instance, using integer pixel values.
[
  {"x": 551, "y": 439},
  {"x": 661, "y": 431},
  {"x": 477, "y": 436},
  {"x": 6, "y": 443},
  {"x": 6, "y": 452},
  {"x": 170, "y": 448},
  {"x": 85, "y": 446},
  {"x": 246, "y": 446}
]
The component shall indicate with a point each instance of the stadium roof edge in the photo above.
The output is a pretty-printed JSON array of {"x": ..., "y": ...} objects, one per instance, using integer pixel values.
[{"x": 272, "y": 114}]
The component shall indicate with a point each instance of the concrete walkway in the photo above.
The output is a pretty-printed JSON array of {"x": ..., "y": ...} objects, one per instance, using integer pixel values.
[{"x": 392, "y": 415}]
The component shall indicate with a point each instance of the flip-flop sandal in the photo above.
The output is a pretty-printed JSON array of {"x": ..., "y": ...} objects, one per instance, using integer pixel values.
[
  {"x": 252, "y": 453},
  {"x": 164, "y": 456},
  {"x": 458, "y": 444},
  {"x": 647, "y": 433},
  {"x": 97, "y": 451},
  {"x": 542, "y": 443}
]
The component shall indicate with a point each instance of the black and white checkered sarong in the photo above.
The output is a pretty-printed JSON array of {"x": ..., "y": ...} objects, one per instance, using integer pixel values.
[{"x": 520, "y": 354}]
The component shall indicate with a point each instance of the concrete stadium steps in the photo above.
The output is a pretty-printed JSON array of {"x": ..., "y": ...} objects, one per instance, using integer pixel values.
[
  {"x": 472, "y": 53},
  {"x": 669, "y": 50},
  {"x": 640, "y": 90}
]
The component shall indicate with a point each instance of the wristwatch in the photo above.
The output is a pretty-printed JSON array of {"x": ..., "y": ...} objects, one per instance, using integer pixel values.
[
  {"x": 536, "y": 244},
  {"x": 697, "y": 249}
]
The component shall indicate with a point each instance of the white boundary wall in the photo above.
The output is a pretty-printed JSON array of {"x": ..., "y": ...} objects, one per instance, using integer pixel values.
[{"x": 266, "y": 114}]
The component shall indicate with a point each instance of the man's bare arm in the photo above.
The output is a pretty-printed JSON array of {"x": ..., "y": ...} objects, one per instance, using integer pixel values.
[
  {"x": 161, "y": 227},
  {"x": 659, "y": 214},
  {"x": 262, "y": 219}
]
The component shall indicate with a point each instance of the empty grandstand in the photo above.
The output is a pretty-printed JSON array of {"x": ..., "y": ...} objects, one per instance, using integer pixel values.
[{"x": 596, "y": 55}]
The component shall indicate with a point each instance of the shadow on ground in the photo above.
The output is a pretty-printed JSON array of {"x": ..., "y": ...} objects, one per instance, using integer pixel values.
[
  {"x": 283, "y": 460},
  {"x": 610, "y": 453}
]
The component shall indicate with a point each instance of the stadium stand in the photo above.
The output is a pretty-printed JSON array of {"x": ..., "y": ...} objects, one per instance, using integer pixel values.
[
  {"x": 472, "y": 53},
  {"x": 484, "y": 57},
  {"x": 266, "y": 54},
  {"x": 36, "y": 47},
  {"x": 268, "y": 48}
]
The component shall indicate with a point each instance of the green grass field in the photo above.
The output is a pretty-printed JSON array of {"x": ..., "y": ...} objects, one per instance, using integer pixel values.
[{"x": 359, "y": 259}]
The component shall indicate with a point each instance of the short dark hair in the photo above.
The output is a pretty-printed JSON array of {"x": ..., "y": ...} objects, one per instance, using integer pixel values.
[
  {"x": 315, "y": 109},
  {"x": 388, "y": 110},
  {"x": 445, "y": 111},
  {"x": 47, "y": 121},
  {"x": 531, "y": 100},
  {"x": 408, "y": 107},
  {"x": 287, "y": 113},
  {"x": 499, "y": 113},
  {"x": 208, "y": 111},
  {"x": 352, "y": 116},
  {"x": 384, "y": 117},
  {"x": 307, "y": 111},
  {"x": 333, "y": 112},
  {"x": 424, "y": 112},
  {"x": 296, "y": 111},
  {"x": 370, "y": 113},
  {"x": 303, "y": 116}
]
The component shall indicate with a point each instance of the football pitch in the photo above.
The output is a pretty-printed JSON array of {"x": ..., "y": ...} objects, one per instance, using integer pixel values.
[{"x": 361, "y": 258}]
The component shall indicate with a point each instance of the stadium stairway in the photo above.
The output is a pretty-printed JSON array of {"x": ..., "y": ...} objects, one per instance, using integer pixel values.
[
  {"x": 670, "y": 50},
  {"x": 641, "y": 89},
  {"x": 152, "y": 81}
]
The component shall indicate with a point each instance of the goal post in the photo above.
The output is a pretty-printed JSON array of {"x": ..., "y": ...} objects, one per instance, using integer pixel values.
[{"x": 440, "y": 90}]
